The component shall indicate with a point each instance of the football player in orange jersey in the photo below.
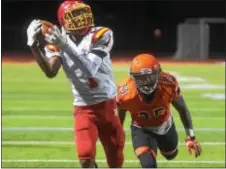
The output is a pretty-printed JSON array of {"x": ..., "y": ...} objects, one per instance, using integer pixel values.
[{"x": 147, "y": 95}]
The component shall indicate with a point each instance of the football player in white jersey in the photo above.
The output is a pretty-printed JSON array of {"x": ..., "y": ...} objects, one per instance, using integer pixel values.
[{"x": 84, "y": 53}]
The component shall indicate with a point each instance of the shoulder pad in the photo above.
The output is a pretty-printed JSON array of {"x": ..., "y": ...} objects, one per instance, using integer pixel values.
[
  {"x": 99, "y": 34},
  {"x": 170, "y": 83},
  {"x": 52, "y": 48},
  {"x": 123, "y": 87},
  {"x": 126, "y": 90},
  {"x": 167, "y": 78}
]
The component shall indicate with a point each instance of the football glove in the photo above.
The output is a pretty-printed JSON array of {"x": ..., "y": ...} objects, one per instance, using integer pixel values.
[
  {"x": 193, "y": 145},
  {"x": 33, "y": 29},
  {"x": 55, "y": 37}
]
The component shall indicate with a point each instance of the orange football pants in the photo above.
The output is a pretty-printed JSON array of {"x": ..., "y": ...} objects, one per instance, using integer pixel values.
[{"x": 99, "y": 120}]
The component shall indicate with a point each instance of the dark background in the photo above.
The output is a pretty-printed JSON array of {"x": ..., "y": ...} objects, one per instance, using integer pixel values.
[{"x": 133, "y": 22}]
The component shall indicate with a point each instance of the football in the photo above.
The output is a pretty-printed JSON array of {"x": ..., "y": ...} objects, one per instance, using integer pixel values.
[{"x": 45, "y": 27}]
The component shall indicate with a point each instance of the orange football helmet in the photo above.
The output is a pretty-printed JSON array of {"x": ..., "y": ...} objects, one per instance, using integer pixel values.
[
  {"x": 145, "y": 70},
  {"x": 75, "y": 16}
]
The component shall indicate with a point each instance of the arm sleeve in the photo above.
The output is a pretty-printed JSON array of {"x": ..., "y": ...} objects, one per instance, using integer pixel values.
[
  {"x": 176, "y": 89},
  {"x": 90, "y": 63}
]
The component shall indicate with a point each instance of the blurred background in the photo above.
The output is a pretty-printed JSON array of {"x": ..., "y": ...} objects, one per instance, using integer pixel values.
[{"x": 139, "y": 26}]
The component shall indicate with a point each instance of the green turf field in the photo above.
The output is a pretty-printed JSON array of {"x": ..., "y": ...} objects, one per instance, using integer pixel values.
[{"x": 37, "y": 117}]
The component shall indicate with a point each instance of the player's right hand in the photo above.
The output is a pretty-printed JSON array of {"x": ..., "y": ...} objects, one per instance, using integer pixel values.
[
  {"x": 33, "y": 29},
  {"x": 193, "y": 145},
  {"x": 55, "y": 37}
]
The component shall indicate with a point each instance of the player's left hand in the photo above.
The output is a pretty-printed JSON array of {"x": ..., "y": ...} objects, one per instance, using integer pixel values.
[
  {"x": 55, "y": 37},
  {"x": 193, "y": 145}
]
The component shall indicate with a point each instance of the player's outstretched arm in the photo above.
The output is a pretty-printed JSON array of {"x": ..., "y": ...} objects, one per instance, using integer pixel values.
[
  {"x": 191, "y": 142},
  {"x": 49, "y": 66}
]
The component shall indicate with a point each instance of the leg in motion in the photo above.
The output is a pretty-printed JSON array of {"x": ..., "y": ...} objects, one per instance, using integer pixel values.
[
  {"x": 86, "y": 135},
  {"x": 168, "y": 143},
  {"x": 145, "y": 147}
]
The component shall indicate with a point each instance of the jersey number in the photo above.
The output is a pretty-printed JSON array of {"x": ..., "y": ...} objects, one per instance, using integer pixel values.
[
  {"x": 159, "y": 111},
  {"x": 144, "y": 115},
  {"x": 92, "y": 83}
]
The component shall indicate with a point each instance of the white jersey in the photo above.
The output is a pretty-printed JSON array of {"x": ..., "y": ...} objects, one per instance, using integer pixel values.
[{"x": 89, "y": 88}]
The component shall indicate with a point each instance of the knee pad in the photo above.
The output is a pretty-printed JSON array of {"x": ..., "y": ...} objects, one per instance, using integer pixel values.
[
  {"x": 86, "y": 153},
  {"x": 147, "y": 160},
  {"x": 171, "y": 156}
]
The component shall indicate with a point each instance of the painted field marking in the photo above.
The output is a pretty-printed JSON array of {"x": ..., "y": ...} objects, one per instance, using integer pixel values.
[
  {"x": 25, "y": 109},
  {"x": 98, "y": 143},
  {"x": 104, "y": 161},
  {"x": 45, "y": 129},
  {"x": 203, "y": 86},
  {"x": 61, "y": 117},
  {"x": 33, "y": 96},
  {"x": 214, "y": 96},
  {"x": 181, "y": 79}
]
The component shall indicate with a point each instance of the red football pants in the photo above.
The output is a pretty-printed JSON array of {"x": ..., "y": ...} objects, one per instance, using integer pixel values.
[{"x": 99, "y": 120}]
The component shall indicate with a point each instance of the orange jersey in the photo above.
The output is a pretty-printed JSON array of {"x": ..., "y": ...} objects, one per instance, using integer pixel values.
[{"x": 155, "y": 112}]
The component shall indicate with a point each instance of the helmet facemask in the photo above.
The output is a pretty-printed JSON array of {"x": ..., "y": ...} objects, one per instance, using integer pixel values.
[
  {"x": 146, "y": 80},
  {"x": 78, "y": 18}
]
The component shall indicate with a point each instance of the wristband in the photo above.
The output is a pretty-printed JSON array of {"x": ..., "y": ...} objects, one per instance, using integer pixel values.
[{"x": 190, "y": 132}]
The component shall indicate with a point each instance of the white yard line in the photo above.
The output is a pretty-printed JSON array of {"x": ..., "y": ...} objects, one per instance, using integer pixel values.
[
  {"x": 68, "y": 117},
  {"x": 45, "y": 109},
  {"x": 41, "y": 117},
  {"x": 73, "y": 143},
  {"x": 104, "y": 161},
  {"x": 44, "y": 129},
  {"x": 213, "y": 96},
  {"x": 202, "y": 86}
]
